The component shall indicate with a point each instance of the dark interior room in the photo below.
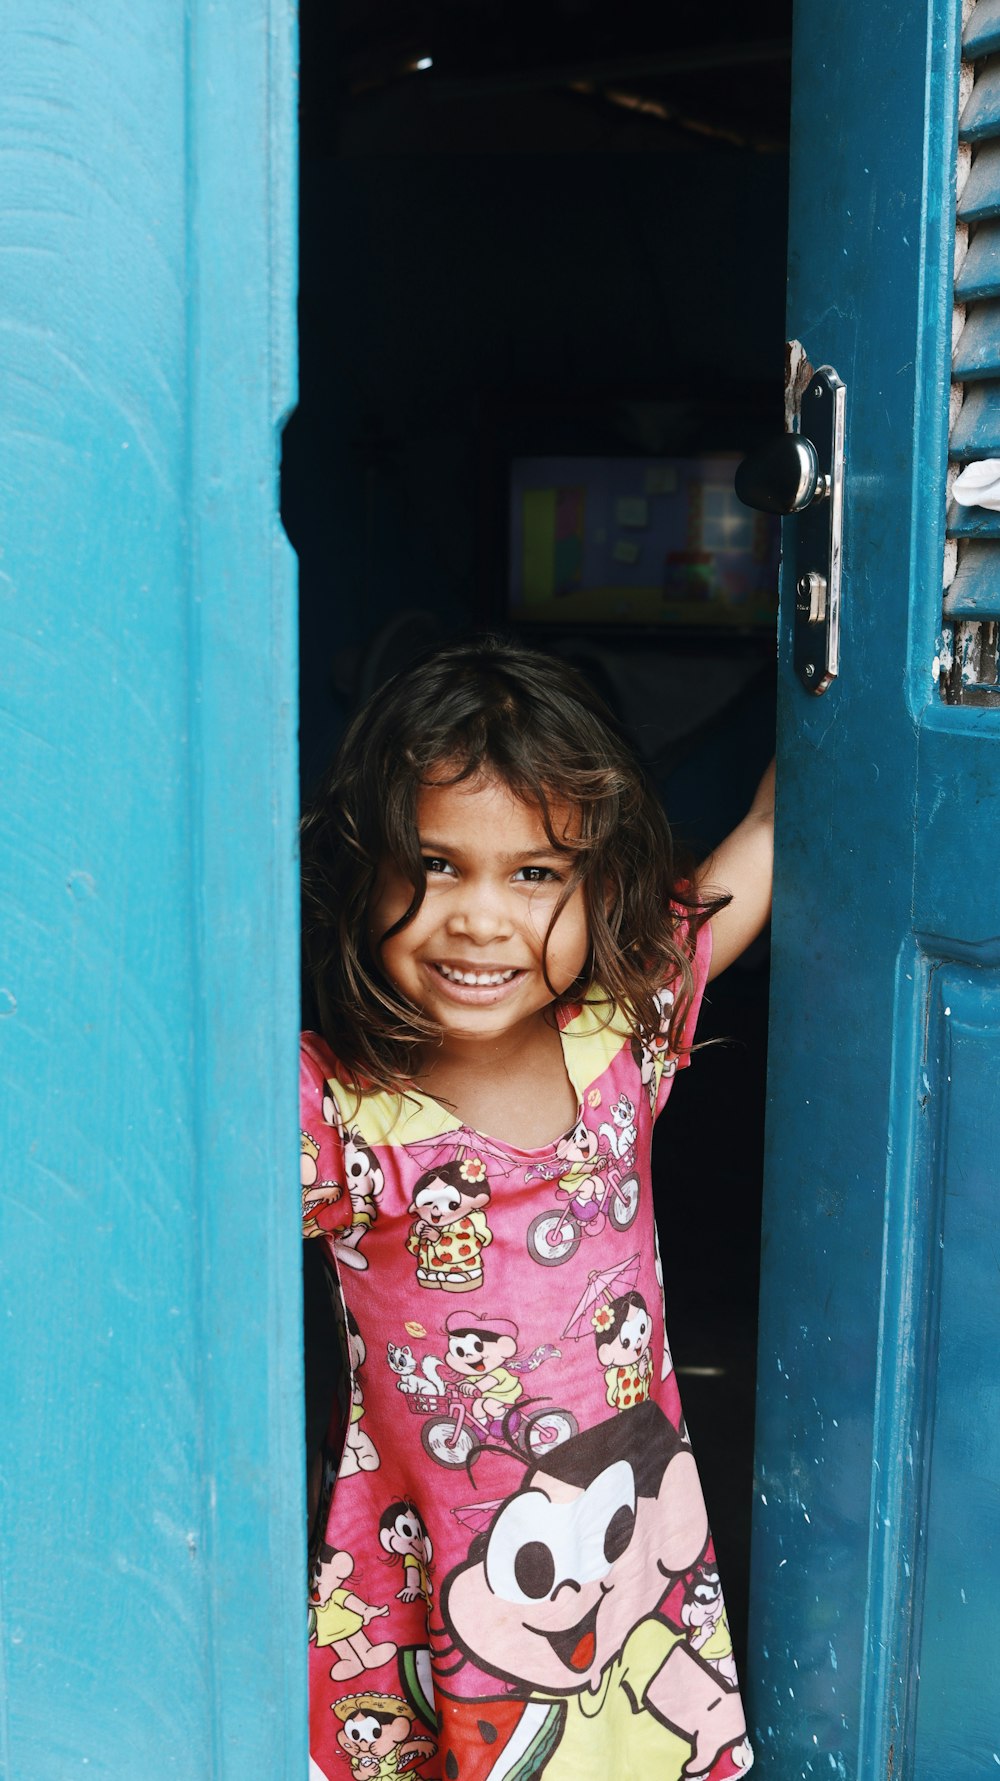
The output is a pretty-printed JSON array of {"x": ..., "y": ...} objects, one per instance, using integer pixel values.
[{"x": 554, "y": 234}]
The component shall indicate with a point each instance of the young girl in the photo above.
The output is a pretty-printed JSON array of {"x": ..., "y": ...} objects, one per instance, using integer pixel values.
[{"x": 508, "y": 962}]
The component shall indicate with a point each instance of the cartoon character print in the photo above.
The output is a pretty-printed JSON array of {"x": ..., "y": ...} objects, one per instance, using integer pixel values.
[
  {"x": 482, "y": 1397},
  {"x": 561, "y": 1598},
  {"x": 656, "y": 1060},
  {"x": 338, "y": 1618},
  {"x": 596, "y": 1184},
  {"x": 580, "y": 1183},
  {"x": 403, "y": 1536},
  {"x": 482, "y": 1351},
  {"x": 360, "y": 1453},
  {"x": 624, "y": 1330},
  {"x": 427, "y": 1383},
  {"x": 379, "y": 1738},
  {"x": 365, "y": 1182},
  {"x": 318, "y": 1197},
  {"x": 620, "y": 1133},
  {"x": 450, "y": 1232},
  {"x": 704, "y": 1613}
]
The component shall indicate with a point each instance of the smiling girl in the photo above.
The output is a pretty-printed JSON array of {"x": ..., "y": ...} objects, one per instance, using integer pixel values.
[{"x": 508, "y": 962}]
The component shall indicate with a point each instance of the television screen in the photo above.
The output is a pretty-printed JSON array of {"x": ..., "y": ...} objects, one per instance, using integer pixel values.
[{"x": 638, "y": 541}]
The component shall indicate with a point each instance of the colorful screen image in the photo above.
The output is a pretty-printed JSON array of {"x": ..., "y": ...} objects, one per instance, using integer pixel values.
[{"x": 660, "y": 541}]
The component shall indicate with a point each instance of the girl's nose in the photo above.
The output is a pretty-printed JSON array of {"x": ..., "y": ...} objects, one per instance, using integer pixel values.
[{"x": 481, "y": 915}]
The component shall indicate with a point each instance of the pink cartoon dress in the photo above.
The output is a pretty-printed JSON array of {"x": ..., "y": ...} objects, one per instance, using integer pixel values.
[{"x": 516, "y": 1571}]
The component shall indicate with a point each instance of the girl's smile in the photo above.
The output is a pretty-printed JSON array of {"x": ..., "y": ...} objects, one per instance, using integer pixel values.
[{"x": 472, "y": 957}]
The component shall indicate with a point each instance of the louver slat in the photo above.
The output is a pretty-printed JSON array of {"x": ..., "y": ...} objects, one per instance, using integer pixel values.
[
  {"x": 981, "y": 116},
  {"x": 981, "y": 194},
  {"x": 981, "y": 36},
  {"x": 976, "y": 433},
  {"x": 973, "y": 522},
  {"x": 975, "y": 591},
  {"x": 980, "y": 274},
  {"x": 978, "y": 351}
]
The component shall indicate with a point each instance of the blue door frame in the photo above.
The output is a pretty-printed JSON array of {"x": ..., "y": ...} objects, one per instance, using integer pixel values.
[{"x": 151, "y": 1546}]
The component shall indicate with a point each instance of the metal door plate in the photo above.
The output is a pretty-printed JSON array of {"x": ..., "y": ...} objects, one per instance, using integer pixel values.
[{"x": 818, "y": 529}]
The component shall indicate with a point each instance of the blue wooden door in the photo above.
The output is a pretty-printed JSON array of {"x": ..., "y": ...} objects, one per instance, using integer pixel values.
[
  {"x": 875, "y": 1633},
  {"x": 151, "y": 1541}
]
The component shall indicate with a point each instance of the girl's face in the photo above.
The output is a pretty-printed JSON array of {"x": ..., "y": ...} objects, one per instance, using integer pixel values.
[{"x": 472, "y": 957}]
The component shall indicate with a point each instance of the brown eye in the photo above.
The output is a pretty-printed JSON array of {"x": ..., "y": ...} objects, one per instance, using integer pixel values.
[
  {"x": 619, "y": 1533},
  {"x": 535, "y": 1570}
]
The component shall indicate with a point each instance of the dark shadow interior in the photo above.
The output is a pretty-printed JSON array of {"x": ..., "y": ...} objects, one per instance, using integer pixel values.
[{"x": 556, "y": 228}]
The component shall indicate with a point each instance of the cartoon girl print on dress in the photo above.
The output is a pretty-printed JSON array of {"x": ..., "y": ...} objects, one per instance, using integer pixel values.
[
  {"x": 580, "y": 1184},
  {"x": 595, "y": 1186},
  {"x": 450, "y": 1232},
  {"x": 704, "y": 1613},
  {"x": 485, "y": 1398},
  {"x": 338, "y": 1617},
  {"x": 561, "y": 1599},
  {"x": 360, "y": 1453},
  {"x": 624, "y": 1331},
  {"x": 402, "y": 1535},
  {"x": 482, "y": 1351},
  {"x": 365, "y": 1182},
  {"x": 379, "y": 1738},
  {"x": 318, "y": 1197}
]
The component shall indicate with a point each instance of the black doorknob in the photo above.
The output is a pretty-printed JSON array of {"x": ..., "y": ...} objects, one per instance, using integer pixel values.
[{"x": 782, "y": 477}]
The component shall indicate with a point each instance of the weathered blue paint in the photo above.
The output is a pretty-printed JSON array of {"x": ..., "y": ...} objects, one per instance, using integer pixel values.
[
  {"x": 880, "y": 1318},
  {"x": 150, "y": 1524}
]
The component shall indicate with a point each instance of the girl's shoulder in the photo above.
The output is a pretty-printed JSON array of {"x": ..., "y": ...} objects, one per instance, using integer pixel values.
[
  {"x": 600, "y": 1036},
  {"x": 598, "y": 1017},
  {"x": 364, "y": 1116},
  {"x": 326, "y": 1205},
  {"x": 319, "y": 1078}
]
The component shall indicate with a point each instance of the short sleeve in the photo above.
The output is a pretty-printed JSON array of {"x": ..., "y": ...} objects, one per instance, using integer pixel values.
[
  {"x": 671, "y": 1058},
  {"x": 326, "y": 1203}
]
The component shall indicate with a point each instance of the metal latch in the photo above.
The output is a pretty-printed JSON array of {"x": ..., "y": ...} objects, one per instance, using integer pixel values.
[{"x": 803, "y": 474}]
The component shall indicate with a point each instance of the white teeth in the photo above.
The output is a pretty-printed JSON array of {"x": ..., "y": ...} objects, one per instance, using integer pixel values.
[{"x": 477, "y": 979}]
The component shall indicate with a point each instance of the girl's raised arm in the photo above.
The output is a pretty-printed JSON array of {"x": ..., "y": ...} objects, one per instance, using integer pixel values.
[{"x": 742, "y": 864}]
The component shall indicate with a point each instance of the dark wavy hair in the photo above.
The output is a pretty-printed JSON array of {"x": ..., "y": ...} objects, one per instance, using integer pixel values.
[{"x": 490, "y": 707}]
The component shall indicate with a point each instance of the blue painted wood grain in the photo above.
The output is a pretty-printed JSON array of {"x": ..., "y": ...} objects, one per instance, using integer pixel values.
[{"x": 150, "y": 1523}]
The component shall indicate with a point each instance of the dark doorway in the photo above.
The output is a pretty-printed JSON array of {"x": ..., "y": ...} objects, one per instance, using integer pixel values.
[{"x": 557, "y": 226}]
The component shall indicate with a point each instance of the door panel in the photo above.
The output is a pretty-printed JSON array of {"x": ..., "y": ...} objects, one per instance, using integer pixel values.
[
  {"x": 960, "y": 1644},
  {"x": 876, "y": 1495}
]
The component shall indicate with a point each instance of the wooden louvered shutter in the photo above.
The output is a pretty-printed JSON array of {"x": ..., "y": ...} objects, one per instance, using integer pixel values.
[{"x": 972, "y": 561}]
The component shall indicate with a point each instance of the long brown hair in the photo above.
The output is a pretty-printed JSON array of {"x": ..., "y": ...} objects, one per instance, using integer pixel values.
[{"x": 494, "y": 707}]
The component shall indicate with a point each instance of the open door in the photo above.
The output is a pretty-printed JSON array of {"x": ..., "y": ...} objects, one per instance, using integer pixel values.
[{"x": 874, "y": 1637}]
